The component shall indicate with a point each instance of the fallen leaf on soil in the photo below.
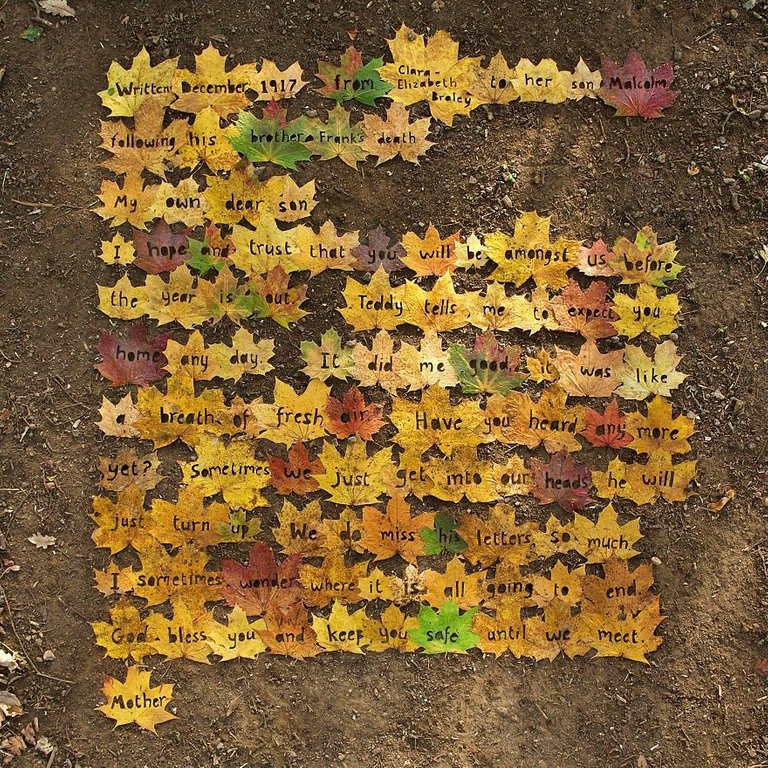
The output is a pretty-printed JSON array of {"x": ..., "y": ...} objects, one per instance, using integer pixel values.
[
  {"x": 716, "y": 506},
  {"x": 352, "y": 416},
  {"x": 342, "y": 630},
  {"x": 41, "y": 541},
  {"x": 381, "y": 250},
  {"x": 351, "y": 79},
  {"x": 133, "y": 359},
  {"x": 432, "y": 254},
  {"x": 136, "y": 701},
  {"x": 542, "y": 81},
  {"x": 394, "y": 135},
  {"x": 297, "y": 474},
  {"x": 446, "y": 630},
  {"x": 561, "y": 481},
  {"x": 395, "y": 532}
]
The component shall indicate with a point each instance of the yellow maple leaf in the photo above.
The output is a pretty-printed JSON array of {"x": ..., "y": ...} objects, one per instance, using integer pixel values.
[
  {"x": 128, "y": 88},
  {"x": 207, "y": 142},
  {"x": 343, "y": 533},
  {"x": 561, "y": 584},
  {"x": 556, "y": 539},
  {"x": 211, "y": 85},
  {"x": 301, "y": 531},
  {"x": 272, "y": 83},
  {"x": 123, "y": 300},
  {"x": 590, "y": 373},
  {"x": 646, "y": 260},
  {"x": 434, "y": 421},
  {"x": 297, "y": 417},
  {"x": 176, "y": 299},
  {"x": 503, "y": 632},
  {"x": 114, "y": 580},
  {"x": 584, "y": 82},
  {"x": 377, "y": 305},
  {"x": 326, "y": 249},
  {"x": 541, "y": 82},
  {"x": 342, "y": 630},
  {"x": 354, "y": 479},
  {"x": 390, "y": 631},
  {"x": 377, "y": 585},
  {"x": 606, "y": 538},
  {"x": 530, "y": 253},
  {"x": 260, "y": 250},
  {"x": 647, "y": 311},
  {"x": 131, "y": 203},
  {"x": 556, "y": 631},
  {"x": 494, "y": 84},
  {"x": 229, "y": 469},
  {"x": 427, "y": 366},
  {"x": 332, "y": 580},
  {"x": 462, "y": 475},
  {"x": 642, "y": 375},
  {"x": 124, "y": 635},
  {"x": 395, "y": 532},
  {"x": 658, "y": 430},
  {"x": 432, "y": 254},
  {"x": 136, "y": 701},
  {"x": 183, "y": 202},
  {"x": 661, "y": 478},
  {"x": 541, "y": 368},
  {"x": 495, "y": 311},
  {"x": 182, "y": 636},
  {"x": 380, "y": 364},
  {"x": 118, "y": 250},
  {"x": 470, "y": 253},
  {"x": 121, "y": 522},
  {"x": 498, "y": 537},
  {"x": 509, "y": 587},
  {"x": 239, "y": 638},
  {"x": 395, "y": 134},
  {"x": 619, "y": 480},
  {"x": 128, "y": 469},
  {"x": 454, "y": 583},
  {"x": 437, "y": 309},
  {"x": 620, "y": 591},
  {"x": 630, "y": 637},
  {"x": 512, "y": 478}
]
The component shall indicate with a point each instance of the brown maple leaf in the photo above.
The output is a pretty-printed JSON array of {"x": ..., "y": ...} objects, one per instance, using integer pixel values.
[
  {"x": 133, "y": 359},
  {"x": 606, "y": 429},
  {"x": 561, "y": 481},
  {"x": 380, "y": 251},
  {"x": 351, "y": 416},
  {"x": 587, "y": 312},
  {"x": 161, "y": 249},
  {"x": 289, "y": 633},
  {"x": 262, "y": 582},
  {"x": 283, "y": 304},
  {"x": 297, "y": 474}
]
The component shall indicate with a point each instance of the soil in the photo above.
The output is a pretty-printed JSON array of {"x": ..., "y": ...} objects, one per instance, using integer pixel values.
[{"x": 699, "y": 702}]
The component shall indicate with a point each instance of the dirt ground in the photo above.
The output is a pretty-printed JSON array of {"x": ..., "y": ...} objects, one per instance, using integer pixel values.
[{"x": 699, "y": 702}]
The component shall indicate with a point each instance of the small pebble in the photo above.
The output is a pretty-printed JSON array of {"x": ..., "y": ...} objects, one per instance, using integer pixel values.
[
  {"x": 655, "y": 560},
  {"x": 49, "y": 656}
]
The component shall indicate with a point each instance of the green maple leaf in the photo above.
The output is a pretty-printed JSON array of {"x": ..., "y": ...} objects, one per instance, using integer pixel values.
[
  {"x": 272, "y": 138},
  {"x": 327, "y": 359},
  {"x": 248, "y": 304},
  {"x": 446, "y": 630},
  {"x": 201, "y": 259},
  {"x": 443, "y": 537},
  {"x": 485, "y": 367},
  {"x": 367, "y": 85}
]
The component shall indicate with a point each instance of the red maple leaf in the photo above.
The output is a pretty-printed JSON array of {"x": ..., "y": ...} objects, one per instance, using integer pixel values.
[
  {"x": 597, "y": 260},
  {"x": 297, "y": 475},
  {"x": 161, "y": 250},
  {"x": 381, "y": 251},
  {"x": 262, "y": 582},
  {"x": 351, "y": 416},
  {"x": 561, "y": 481},
  {"x": 606, "y": 429},
  {"x": 133, "y": 359},
  {"x": 635, "y": 90}
]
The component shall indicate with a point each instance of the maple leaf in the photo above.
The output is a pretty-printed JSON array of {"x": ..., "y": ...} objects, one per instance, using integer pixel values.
[
  {"x": 119, "y": 419},
  {"x": 147, "y": 146},
  {"x": 297, "y": 475},
  {"x": 463, "y": 475},
  {"x": 127, "y": 469},
  {"x": 242, "y": 356},
  {"x": 289, "y": 633},
  {"x": 239, "y": 638},
  {"x": 135, "y": 700},
  {"x": 561, "y": 481},
  {"x": 114, "y": 580},
  {"x": 378, "y": 364},
  {"x": 455, "y": 584},
  {"x": 430, "y": 71},
  {"x": 620, "y": 592},
  {"x": 337, "y": 137},
  {"x": 261, "y": 582},
  {"x": 556, "y": 631},
  {"x": 182, "y": 636},
  {"x": 427, "y": 366},
  {"x": 395, "y": 532},
  {"x": 327, "y": 249},
  {"x": 470, "y": 254},
  {"x": 438, "y": 309},
  {"x": 561, "y": 584},
  {"x": 432, "y": 254},
  {"x": 647, "y": 311},
  {"x": 530, "y": 253},
  {"x": 381, "y": 250},
  {"x": 646, "y": 260},
  {"x": 556, "y": 538},
  {"x": 342, "y": 630},
  {"x": 331, "y": 581},
  {"x": 128, "y": 88},
  {"x": 584, "y": 82},
  {"x": 503, "y": 632},
  {"x": 442, "y": 537},
  {"x": 486, "y": 367},
  {"x": 494, "y": 84},
  {"x": 377, "y": 305},
  {"x": 343, "y": 534},
  {"x": 434, "y": 421},
  {"x": 621, "y": 480},
  {"x": 630, "y": 637},
  {"x": 352, "y": 416},
  {"x": 211, "y": 85},
  {"x": 229, "y": 469},
  {"x": 160, "y": 250},
  {"x": 297, "y": 416},
  {"x": 116, "y": 251},
  {"x": 207, "y": 141},
  {"x": 497, "y": 311},
  {"x": 183, "y": 202},
  {"x": 541, "y": 82},
  {"x": 498, "y": 537},
  {"x": 260, "y": 250},
  {"x": 390, "y": 631},
  {"x": 658, "y": 430},
  {"x": 282, "y": 304},
  {"x": 590, "y": 373},
  {"x": 634, "y": 90},
  {"x": 585, "y": 311},
  {"x": 174, "y": 300},
  {"x": 131, "y": 203},
  {"x": 661, "y": 478},
  {"x": 122, "y": 522},
  {"x": 124, "y": 636},
  {"x": 354, "y": 479},
  {"x": 512, "y": 478},
  {"x": 272, "y": 138},
  {"x": 641, "y": 375},
  {"x": 395, "y": 134},
  {"x": 227, "y": 297},
  {"x": 352, "y": 79},
  {"x": 133, "y": 359},
  {"x": 541, "y": 368},
  {"x": 327, "y": 359},
  {"x": 446, "y": 630},
  {"x": 606, "y": 538},
  {"x": 270, "y": 82},
  {"x": 607, "y": 429},
  {"x": 300, "y": 531},
  {"x": 597, "y": 260}
]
